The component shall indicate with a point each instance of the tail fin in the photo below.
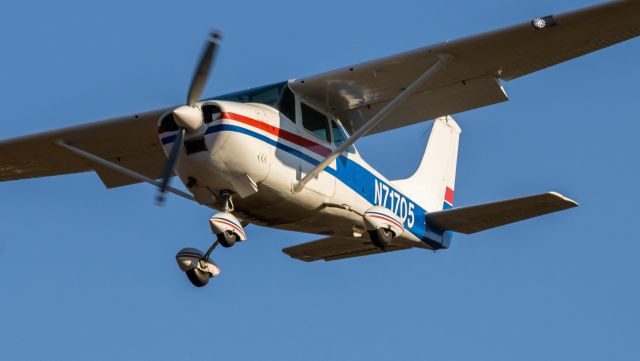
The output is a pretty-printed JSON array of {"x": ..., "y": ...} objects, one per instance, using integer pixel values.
[{"x": 432, "y": 184}]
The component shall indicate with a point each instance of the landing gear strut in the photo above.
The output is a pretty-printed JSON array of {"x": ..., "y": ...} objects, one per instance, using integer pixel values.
[
  {"x": 198, "y": 267},
  {"x": 226, "y": 237},
  {"x": 224, "y": 225}
]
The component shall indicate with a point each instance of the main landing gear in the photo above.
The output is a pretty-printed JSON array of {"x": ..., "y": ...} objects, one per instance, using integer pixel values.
[
  {"x": 382, "y": 237},
  {"x": 228, "y": 230}
]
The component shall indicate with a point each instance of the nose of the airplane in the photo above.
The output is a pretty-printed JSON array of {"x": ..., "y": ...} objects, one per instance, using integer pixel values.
[{"x": 188, "y": 117}]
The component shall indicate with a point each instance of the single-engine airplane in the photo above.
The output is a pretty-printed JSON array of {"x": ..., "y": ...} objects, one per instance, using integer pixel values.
[{"x": 283, "y": 155}]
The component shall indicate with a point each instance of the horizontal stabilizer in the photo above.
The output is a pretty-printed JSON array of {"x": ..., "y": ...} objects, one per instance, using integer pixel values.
[
  {"x": 334, "y": 248},
  {"x": 481, "y": 217}
]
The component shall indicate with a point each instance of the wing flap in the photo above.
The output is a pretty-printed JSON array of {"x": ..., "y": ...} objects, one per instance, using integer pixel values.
[
  {"x": 428, "y": 104},
  {"x": 504, "y": 54},
  {"x": 481, "y": 217},
  {"x": 335, "y": 248}
]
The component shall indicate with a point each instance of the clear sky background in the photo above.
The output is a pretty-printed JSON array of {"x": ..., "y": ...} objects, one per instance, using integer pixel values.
[{"x": 89, "y": 273}]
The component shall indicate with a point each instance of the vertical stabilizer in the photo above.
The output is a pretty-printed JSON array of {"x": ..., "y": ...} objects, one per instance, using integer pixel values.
[{"x": 432, "y": 184}]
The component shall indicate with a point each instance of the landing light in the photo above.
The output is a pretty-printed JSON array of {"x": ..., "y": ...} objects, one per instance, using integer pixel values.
[{"x": 544, "y": 22}]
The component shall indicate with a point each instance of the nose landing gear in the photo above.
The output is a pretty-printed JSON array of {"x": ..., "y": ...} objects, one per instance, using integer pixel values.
[{"x": 197, "y": 266}]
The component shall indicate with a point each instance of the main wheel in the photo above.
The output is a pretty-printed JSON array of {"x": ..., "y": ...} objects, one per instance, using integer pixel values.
[
  {"x": 381, "y": 237},
  {"x": 227, "y": 239},
  {"x": 197, "y": 277}
]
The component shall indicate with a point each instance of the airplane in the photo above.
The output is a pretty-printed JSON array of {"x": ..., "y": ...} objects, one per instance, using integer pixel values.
[{"x": 283, "y": 155}]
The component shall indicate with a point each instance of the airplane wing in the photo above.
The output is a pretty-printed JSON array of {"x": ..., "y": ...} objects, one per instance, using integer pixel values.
[
  {"x": 335, "y": 248},
  {"x": 355, "y": 93},
  {"x": 130, "y": 141},
  {"x": 472, "y": 80},
  {"x": 481, "y": 217}
]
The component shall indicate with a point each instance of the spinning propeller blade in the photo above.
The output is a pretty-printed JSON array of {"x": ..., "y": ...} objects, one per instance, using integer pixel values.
[
  {"x": 204, "y": 67},
  {"x": 184, "y": 117},
  {"x": 169, "y": 165}
]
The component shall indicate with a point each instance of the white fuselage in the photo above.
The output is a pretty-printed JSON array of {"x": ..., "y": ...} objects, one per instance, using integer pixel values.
[{"x": 258, "y": 153}]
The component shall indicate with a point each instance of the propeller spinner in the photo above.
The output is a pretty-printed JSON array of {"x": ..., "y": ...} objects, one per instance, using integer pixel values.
[{"x": 189, "y": 117}]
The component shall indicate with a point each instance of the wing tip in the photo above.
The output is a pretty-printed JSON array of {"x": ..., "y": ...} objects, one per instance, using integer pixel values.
[
  {"x": 291, "y": 252},
  {"x": 570, "y": 202}
]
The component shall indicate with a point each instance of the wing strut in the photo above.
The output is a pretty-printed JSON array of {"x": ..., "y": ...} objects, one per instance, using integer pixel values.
[
  {"x": 443, "y": 59},
  {"x": 121, "y": 169}
]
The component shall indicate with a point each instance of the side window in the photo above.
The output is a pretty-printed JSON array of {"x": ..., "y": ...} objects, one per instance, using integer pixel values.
[
  {"x": 339, "y": 136},
  {"x": 315, "y": 122},
  {"x": 288, "y": 104}
]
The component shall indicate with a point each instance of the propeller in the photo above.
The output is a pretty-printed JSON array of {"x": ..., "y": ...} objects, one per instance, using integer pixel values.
[
  {"x": 204, "y": 67},
  {"x": 189, "y": 117}
]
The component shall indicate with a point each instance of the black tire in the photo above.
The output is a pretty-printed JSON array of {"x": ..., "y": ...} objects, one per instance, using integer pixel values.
[
  {"x": 381, "y": 238},
  {"x": 197, "y": 277},
  {"x": 227, "y": 239}
]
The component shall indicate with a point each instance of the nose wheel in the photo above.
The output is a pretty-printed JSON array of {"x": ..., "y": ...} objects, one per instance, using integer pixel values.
[
  {"x": 227, "y": 238},
  {"x": 198, "y": 267}
]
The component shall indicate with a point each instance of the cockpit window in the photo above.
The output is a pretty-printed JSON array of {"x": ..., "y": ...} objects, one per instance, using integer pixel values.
[
  {"x": 315, "y": 122},
  {"x": 340, "y": 136}
]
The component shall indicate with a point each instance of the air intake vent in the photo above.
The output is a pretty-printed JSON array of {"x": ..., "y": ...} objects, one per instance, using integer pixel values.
[
  {"x": 211, "y": 113},
  {"x": 167, "y": 124},
  {"x": 195, "y": 145}
]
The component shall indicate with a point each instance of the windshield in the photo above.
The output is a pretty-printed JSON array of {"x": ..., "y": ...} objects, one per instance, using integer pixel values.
[
  {"x": 268, "y": 94},
  {"x": 278, "y": 96}
]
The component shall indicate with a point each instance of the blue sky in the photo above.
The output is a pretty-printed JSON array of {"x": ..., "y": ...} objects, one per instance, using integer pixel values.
[{"x": 87, "y": 273}]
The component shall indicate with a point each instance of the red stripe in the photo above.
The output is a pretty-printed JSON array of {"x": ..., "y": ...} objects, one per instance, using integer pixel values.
[
  {"x": 386, "y": 219},
  {"x": 291, "y": 137},
  {"x": 448, "y": 195}
]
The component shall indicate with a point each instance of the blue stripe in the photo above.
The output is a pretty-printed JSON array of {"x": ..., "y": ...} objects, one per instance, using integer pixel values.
[
  {"x": 169, "y": 139},
  {"x": 286, "y": 148}
]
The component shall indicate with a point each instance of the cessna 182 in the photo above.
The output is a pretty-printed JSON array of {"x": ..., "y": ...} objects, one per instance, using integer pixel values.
[{"x": 283, "y": 155}]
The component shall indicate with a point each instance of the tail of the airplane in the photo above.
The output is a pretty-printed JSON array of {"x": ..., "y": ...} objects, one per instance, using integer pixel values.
[{"x": 432, "y": 184}]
